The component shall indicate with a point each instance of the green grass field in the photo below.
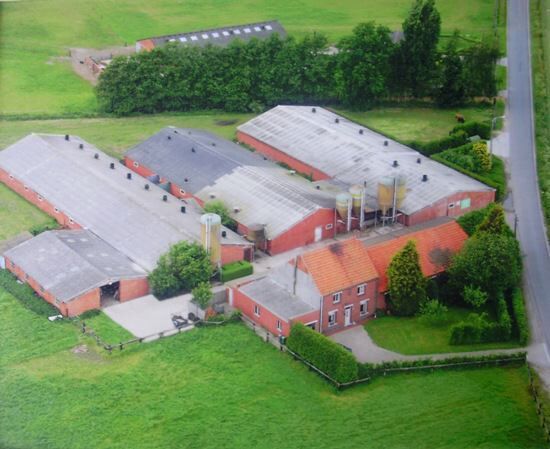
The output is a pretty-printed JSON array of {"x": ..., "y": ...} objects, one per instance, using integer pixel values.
[
  {"x": 35, "y": 35},
  {"x": 412, "y": 336},
  {"x": 224, "y": 387},
  {"x": 18, "y": 215}
]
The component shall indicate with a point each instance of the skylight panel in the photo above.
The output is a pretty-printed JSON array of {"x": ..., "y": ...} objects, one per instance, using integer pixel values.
[
  {"x": 194, "y": 38},
  {"x": 257, "y": 29},
  {"x": 183, "y": 39},
  {"x": 237, "y": 31},
  {"x": 268, "y": 27},
  {"x": 225, "y": 33},
  {"x": 205, "y": 36},
  {"x": 215, "y": 35},
  {"x": 247, "y": 30}
]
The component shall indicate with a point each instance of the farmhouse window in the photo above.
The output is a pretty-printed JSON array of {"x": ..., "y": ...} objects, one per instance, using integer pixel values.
[
  {"x": 279, "y": 325},
  {"x": 332, "y": 318},
  {"x": 256, "y": 310},
  {"x": 361, "y": 289},
  {"x": 364, "y": 307},
  {"x": 336, "y": 298}
]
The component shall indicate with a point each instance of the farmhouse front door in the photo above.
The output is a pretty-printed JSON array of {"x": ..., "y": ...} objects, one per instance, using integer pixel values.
[
  {"x": 318, "y": 233},
  {"x": 347, "y": 316}
]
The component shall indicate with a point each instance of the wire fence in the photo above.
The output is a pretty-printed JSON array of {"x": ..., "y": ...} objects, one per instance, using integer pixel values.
[{"x": 535, "y": 390}]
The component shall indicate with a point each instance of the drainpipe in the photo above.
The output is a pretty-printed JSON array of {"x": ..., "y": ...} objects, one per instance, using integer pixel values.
[
  {"x": 295, "y": 276},
  {"x": 321, "y": 316}
]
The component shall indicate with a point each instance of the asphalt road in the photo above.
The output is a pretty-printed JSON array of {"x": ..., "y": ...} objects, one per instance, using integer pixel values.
[{"x": 525, "y": 191}]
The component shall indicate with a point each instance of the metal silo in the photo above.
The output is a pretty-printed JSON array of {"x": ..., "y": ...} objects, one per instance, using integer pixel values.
[
  {"x": 401, "y": 183},
  {"x": 342, "y": 204},
  {"x": 211, "y": 225},
  {"x": 356, "y": 192},
  {"x": 386, "y": 190}
]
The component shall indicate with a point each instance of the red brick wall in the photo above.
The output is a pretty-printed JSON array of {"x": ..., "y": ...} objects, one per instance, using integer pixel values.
[
  {"x": 83, "y": 303},
  {"x": 441, "y": 207},
  {"x": 133, "y": 288},
  {"x": 277, "y": 155},
  {"x": 33, "y": 197},
  {"x": 233, "y": 253},
  {"x": 350, "y": 297},
  {"x": 307, "y": 318}
]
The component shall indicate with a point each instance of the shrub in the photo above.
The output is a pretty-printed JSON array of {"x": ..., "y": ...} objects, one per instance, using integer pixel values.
[
  {"x": 202, "y": 294},
  {"x": 435, "y": 146},
  {"x": 433, "y": 312},
  {"x": 481, "y": 156},
  {"x": 471, "y": 220},
  {"x": 495, "y": 222},
  {"x": 470, "y": 331},
  {"x": 39, "y": 229},
  {"x": 218, "y": 207},
  {"x": 236, "y": 270},
  {"x": 26, "y": 295},
  {"x": 474, "y": 296},
  {"x": 521, "y": 326},
  {"x": 326, "y": 355},
  {"x": 480, "y": 129}
]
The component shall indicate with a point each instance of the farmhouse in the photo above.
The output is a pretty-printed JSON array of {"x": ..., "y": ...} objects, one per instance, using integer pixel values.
[
  {"x": 215, "y": 36},
  {"x": 75, "y": 270},
  {"x": 273, "y": 207},
  {"x": 398, "y": 182},
  {"x": 343, "y": 284},
  {"x": 83, "y": 188}
]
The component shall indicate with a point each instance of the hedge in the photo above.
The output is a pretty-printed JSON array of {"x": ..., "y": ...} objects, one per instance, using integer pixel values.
[
  {"x": 236, "y": 270},
  {"x": 436, "y": 146},
  {"x": 328, "y": 356},
  {"x": 521, "y": 326},
  {"x": 471, "y": 220},
  {"x": 39, "y": 229},
  {"x": 26, "y": 295},
  {"x": 497, "y": 172},
  {"x": 480, "y": 129}
]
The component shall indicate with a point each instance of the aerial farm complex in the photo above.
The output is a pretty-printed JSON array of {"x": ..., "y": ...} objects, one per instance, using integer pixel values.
[{"x": 297, "y": 176}]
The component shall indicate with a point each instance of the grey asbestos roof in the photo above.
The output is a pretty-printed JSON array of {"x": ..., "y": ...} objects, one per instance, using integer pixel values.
[
  {"x": 209, "y": 166},
  {"x": 350, "y": 156},
  {"x": 70, "y": 263},
  {"x": 223, "y": 35},
  {"x": 120, "y": 211},
  {"x": 192, "y": 158},
  {"x": 276, "y": 299}
]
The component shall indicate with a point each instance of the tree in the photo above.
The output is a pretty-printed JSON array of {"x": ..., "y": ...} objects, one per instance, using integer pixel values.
[
  {"x": 474, "y": 296},
  {"x": 202, "y": 294},
  {"x": 363, "y": 65},
  {"x": 479, "y": 68},
  {"x": 185, "y": 266},
  {"x": 407, "y": 284},
  {"x": 482, "y": 157},
  {"x": 452, "y": 91},
  {"x": 489, "y": 262},
  {"x": 218, "y": 207},
  {"x": 494, "y": 222},
  {"x": 418, "y": 50}
]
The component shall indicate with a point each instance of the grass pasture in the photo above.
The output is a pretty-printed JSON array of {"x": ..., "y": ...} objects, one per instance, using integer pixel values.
[
  {"x": 224, "y": 387},
  {"x": 412, "y": 336},
  {"x": 35, "y": 37}
]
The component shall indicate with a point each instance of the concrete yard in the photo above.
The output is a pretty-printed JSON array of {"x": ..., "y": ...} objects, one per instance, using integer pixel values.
[{"x": 147, "y": 316}]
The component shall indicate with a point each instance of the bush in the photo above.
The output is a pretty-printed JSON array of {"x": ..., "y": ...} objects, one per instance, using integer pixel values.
[
  {"x": 474, "y": 296},
  {"x": 433, "y": 312},
  {"x": 202, "y": 294},
  {"x": 436, "y": 146},
  {"x": 326, "y": 355},
  {"x": 480, "y": 129},
  {"x": 236, "y": 270},
  {"x": 26, "y": 295},
  {"x": 218, "y": 207},
  {"x": 482, "y": 158},
  {"x": 470, "y": 331},
  {"x": 471, "y": 220},
  {"x": 521, "y": 326},
  {"x": 39, "y": 229}
]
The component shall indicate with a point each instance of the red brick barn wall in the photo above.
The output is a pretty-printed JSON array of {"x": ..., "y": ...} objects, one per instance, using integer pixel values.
[
  {"x": 233, "y": 253},
  {"x": 133, "y": 288},
  {"x": 36, "y": 199},
  {"x": 277, "y": 155},
  {"x": 85, "y": 302},
  {"x": 304, "y": 232},
  {"x": 441, "y": 207},
  {"x": 350, "y": 297},
  {"x": 266, "y": 319}
]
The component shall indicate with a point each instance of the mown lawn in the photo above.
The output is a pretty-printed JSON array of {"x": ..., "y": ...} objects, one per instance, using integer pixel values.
[
  {"x": 417, "y": 123},
  {"x": 224, "y": 387},
  {"x": 412, "y": 336},
  {"x": 17, "y": 214},
  {"x": 35, "y": 36}
]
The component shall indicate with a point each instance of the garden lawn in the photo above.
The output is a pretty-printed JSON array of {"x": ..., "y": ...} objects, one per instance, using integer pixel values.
[
  {"x": 104, "y": 327},
  {"x": 35, "y": 37},
  {"x": 224, "y": 387},
  {"x": 17, "y": 214},
  {"x": 412, "y": 336},
  {"x": 417, "y": 123},
  {"x": 117, "y": 135}
]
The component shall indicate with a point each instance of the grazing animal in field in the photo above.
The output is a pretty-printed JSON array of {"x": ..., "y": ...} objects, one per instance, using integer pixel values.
[{"x": 459, "y": 118}]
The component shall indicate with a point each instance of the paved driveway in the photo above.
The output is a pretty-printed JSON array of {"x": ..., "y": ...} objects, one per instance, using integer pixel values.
[{"x": 148, "y": 316}]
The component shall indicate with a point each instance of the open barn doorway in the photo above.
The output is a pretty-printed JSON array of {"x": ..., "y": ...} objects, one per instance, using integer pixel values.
[{"x": 110, "y": 294}]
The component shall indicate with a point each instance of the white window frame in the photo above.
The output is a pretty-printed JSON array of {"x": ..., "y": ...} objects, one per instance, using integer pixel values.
[
  {"x": 365, "y": 303},
  {"x": 279, "y": 325},
  {"x": 314, "y": 324},
  {"x": 257, "y": 310},
  {"x": 361, "y": 288},
  {"x": 333, "y": 313},
  {"x": 336, "y": 297},
  {"x": 136, "y": 164}
]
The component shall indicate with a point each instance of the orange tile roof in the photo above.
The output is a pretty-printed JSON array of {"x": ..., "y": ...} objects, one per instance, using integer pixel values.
[
  {"x": 338, "y": 266},
  {"x": 147, "y": 44},
  {"x": 434, "y": 245}
]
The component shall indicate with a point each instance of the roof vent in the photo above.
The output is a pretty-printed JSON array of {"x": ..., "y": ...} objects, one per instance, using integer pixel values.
[
  {"x": 213, "y": 144},
  {"x": 236, "y": 209},
  {"x": 418, "y": 161},
  {"x": 66, "y": 137},
  {"x": 128, "y": 175},
  {"x": 395, "y": 164},
  {"x": 360, "y": 131},
  {"x": 386, "y": 143},
  {"x": 364, "y": 183},
  {"x": 192, "y": 149},
  {"x": 169, "y": 137},
  {"x": 164, "y": 198},
  {"x": 424, "y": 178},
  {"x": 96, "y": 156},
  {"x": 212, "y": 195},
  {"x": 224, "y": 234},
  {"x": 292, "y": 172},
  {"x": 318, "y": 187},
  {"x": 336, "y": 120},
  {"x": 112, "y": 165},
  {"x": 81, "y": 146},
  {"x": 313, "y": 110},
  {"x": 182, "y": 209},
  {"x": 146, "y": 186},
  {"x": 186, "y": 179}
]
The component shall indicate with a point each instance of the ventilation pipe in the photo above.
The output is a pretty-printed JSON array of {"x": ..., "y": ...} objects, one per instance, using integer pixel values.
[
  {"x": 66, "y": 137},
  {"x": 128, "y": 175},
  {"x": 164, "y": 198},
  {"x": 424, "y": 178},
  {"x": 146, "y": 186},
  {"x": 96, "y": 156},
  {"x": 81, "y": 146},
  {"x": 182, "y": 209},
  {"x": 112, "y": 165}
]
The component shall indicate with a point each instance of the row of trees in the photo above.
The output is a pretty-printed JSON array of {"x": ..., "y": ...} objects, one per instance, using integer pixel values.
[{"x": 367, "y": 68}]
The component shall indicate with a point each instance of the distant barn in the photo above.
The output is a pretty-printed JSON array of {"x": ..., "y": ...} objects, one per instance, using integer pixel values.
[{"x": 216, "y": 36}]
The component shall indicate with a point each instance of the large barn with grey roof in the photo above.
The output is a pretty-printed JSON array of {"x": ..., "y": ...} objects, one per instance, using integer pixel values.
[
  {"x": 289, "y": 210},
  {"x": 222, "y": 36},
  {"x": 327, "y": 146}
]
